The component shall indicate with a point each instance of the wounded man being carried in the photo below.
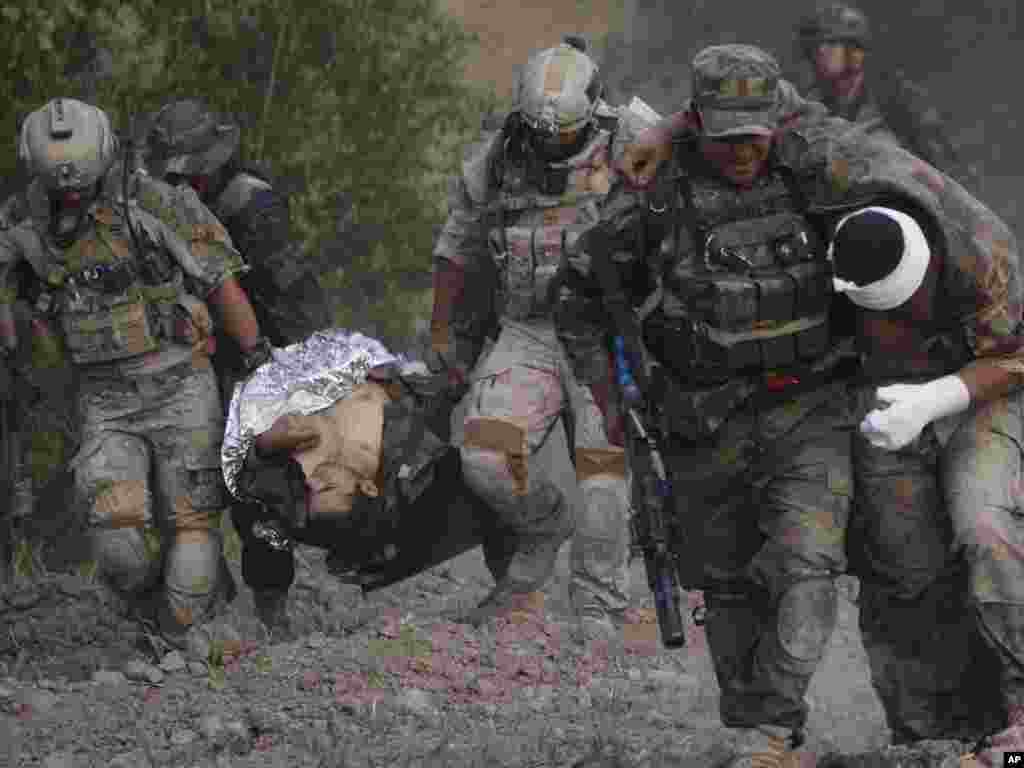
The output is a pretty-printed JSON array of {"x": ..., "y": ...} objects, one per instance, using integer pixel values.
[{"x": 346, "y": 447}]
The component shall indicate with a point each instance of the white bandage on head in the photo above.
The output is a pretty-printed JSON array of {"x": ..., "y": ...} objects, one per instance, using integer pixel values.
[{"x": 901, "y": 283}]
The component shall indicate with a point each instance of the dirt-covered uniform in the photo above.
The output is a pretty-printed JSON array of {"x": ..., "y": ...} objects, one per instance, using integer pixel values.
[
  {"x": 127, "y": 298},
  {"x": 764, "y": 483},
  {"x": 191, "y": 146},
  {"x": 512, "y": 216},
  {"x": 938, "y": 518}
]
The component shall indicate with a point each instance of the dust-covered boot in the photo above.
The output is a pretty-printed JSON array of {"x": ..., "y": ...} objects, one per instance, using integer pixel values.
[
  {"x": 767, "y": 746},
  {"x": 529, "y": 569},
  {"x": 212, "y": 632},
  {"x": 506, "y": 603}
]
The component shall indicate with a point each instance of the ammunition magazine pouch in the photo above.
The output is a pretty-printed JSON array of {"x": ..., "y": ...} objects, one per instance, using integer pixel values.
[
  {"x": 755, "y": 297},
  {"x": 102, "y": 328}
]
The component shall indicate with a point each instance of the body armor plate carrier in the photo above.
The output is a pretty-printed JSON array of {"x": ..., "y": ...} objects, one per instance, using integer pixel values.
[
  {"x": 750, "y": 283},
  {"x": 111, "y": 304}
]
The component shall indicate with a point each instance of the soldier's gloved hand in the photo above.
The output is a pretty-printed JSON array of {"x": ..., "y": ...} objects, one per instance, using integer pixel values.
[
  {"x": 258, "y": 354},
  {"x": 909, "y": 408}
]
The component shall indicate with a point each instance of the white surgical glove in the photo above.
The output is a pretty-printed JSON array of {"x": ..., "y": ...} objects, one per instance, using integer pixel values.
[{"x": 911, "y": 407}]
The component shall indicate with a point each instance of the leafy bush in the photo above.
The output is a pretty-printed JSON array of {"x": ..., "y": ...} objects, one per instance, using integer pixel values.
[{"x": 358, "y": 106}]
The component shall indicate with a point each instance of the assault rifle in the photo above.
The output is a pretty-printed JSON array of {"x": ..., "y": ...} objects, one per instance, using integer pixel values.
[{"x": 651, "y": 524}]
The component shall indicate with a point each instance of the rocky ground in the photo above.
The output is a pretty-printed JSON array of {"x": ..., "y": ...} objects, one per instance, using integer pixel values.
[{"x": 389, "y": 679}]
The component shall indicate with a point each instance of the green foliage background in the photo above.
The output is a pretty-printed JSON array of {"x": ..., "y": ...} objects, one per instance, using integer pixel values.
[{"x": 359, "y": 107}]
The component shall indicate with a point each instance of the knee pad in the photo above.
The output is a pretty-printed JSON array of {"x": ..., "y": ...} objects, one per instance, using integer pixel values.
[
  {"x": 125, "y": 559},
  {"x": 806, "y": 618}
]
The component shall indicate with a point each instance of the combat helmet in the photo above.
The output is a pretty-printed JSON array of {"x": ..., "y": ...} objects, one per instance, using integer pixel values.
[
  {"x": 66, "y": 148},
  {"x": 67, "y": 145},
  {"x": 835, "y": 23},
  {"x": 558, "y": 89},
  {"x": 188, "y": 139}
]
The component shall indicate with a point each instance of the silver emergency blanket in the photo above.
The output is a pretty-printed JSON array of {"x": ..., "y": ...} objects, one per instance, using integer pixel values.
[{"x": 302, "y": 378}]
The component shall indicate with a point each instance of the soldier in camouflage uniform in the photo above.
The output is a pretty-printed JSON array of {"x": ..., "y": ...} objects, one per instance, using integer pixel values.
[
  {"x": 836, "y": 41},
  {"x": 522, "y": 196},
  {"x": 189, "y": 144},
  {"x": 761, "y": 469},
  {"x": 924, "y": 672},
  {"x": 129, "y": 295},
  {"x": 937, "y": 463}
]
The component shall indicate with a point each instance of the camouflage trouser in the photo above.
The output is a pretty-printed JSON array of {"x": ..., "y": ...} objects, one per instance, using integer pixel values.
[
  {"x": 149, "y": 468},
  {"x": 513, "y": 434},
  {"x": 938, "y": 542},
  {"x": 763, "y": 511}
]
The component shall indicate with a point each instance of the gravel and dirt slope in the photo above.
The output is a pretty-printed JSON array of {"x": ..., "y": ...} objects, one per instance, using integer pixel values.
[{"x": 390, "y": 679}]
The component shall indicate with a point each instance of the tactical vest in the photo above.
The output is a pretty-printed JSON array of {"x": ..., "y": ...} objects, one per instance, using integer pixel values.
[
  {"x": 535, "y": 219},
  {"x": 112, "y": 303},
  {"x": 750, "y": 283}
]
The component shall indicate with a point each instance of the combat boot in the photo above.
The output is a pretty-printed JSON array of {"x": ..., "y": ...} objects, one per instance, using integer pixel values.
[
  {"x": 505, "y": 603},
  {"x": 529, "y": 568},
  {"x": 767, "y": 746}
]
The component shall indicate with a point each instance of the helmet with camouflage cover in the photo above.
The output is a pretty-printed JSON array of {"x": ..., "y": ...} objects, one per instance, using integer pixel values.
[
  {"x": 67, "y": 145},
  {"x": 834, "y": 23},
  {"x": 187, "y": 138},
  {"x": 736, "y": 91},
  {"x": 558, "y": 89}
]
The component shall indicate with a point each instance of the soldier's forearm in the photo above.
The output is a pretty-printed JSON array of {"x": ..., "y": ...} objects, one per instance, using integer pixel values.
[
  {"x": 236, "y": 313},
  {"x": 449, "y": 283},
  {"x": 988, "y": 380}
]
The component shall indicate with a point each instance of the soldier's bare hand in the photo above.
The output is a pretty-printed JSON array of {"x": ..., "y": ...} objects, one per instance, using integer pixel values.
[{"x": 641, "y": 159}]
